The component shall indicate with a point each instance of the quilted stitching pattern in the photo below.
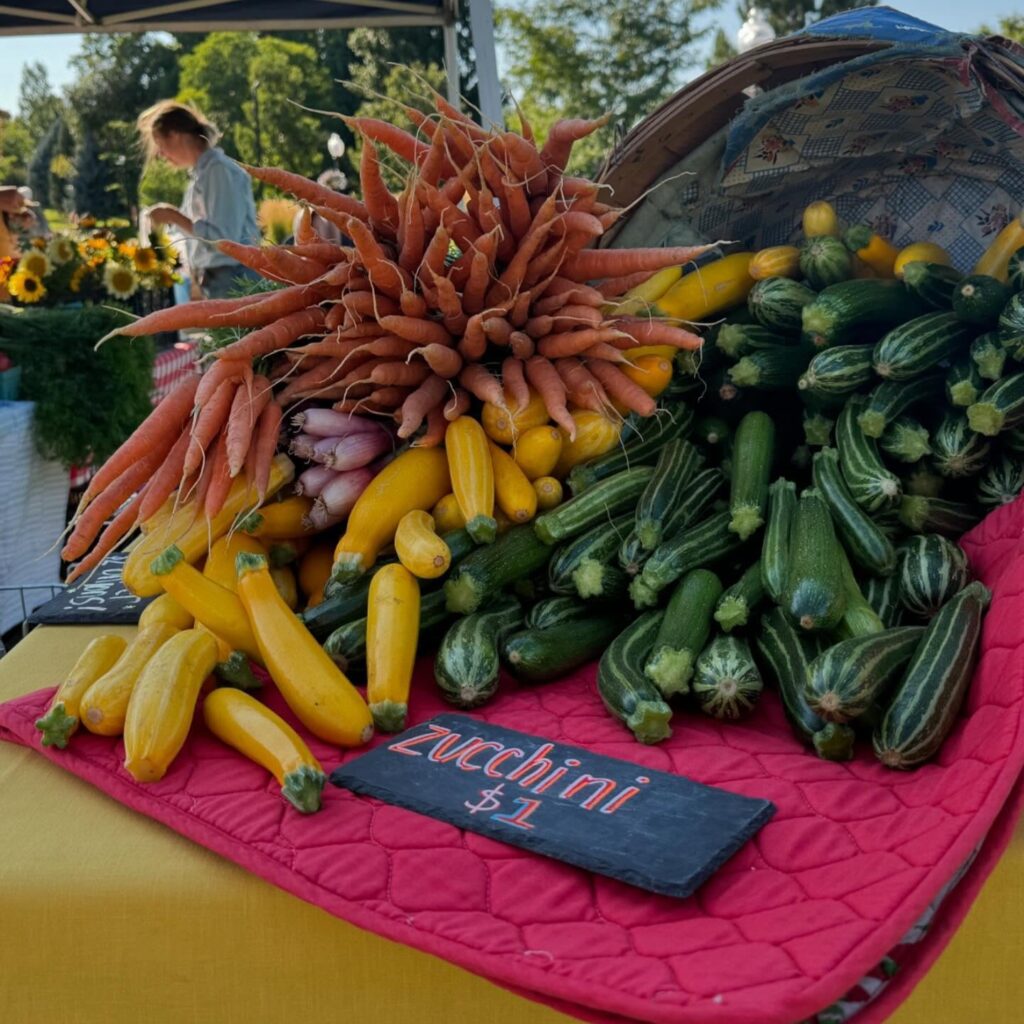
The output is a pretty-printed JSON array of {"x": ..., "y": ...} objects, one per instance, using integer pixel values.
[{"x": 852, "y": 858}]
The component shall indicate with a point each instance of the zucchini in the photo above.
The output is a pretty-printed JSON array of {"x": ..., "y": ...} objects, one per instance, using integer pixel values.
[
  {"x": 538, "y": 655},
  {"x": 625, "y": 691},
  {"x": 893, "y": 397},
  {"x": 605, "y": 498},
  {"x": 739, "y": 601},
  {"x": 1011, "y": 319},
  {"x": 347, "y": 603},
  {"x": 868, "y": 545},
  {"x": 918, "y": 345},
  {"x": 1001, "y": 482},
  {"x": 1013, "y": 441},
  {"x": 514, "y": 555},
  {"x": 714, "y": 434},
  {"x": 923, "y": 480},
  {"x": 859, "y": 618},
  {"x": 594, "y": 579},
  {"x": 932, "y": 570},
  {"x": 552, "y": 611},
  {"x": 851, "y": 675},
  {"x": 1015, "y": 271},
  {"x": 921, "y": 514},
  {"x": 988, "y": 353},
  {"x": 979, "y": 299},
  {"x": 726, "y": 681},
  {"x": 466, "y": 665},
  {"x": 677, "y": 461},
  {"x": 838, "y": 371},
  {"x": 775, "y": 549},
  {"x": 1001, "y": 407},
  {"x": 817, "y": 429},
  {"x": 599, "y": 542},
  {"x": 928, "y": 698},
  {"x": 632, "y": 554},
  {"x": 843, "y": 311},
  {"x": 884, "y": 597},
  {"x": 872, "y": 485},
  {"x": 906, "y": 440},
  {"x": 753, "y": 453},
  {"x": 814, "y": 596},
  {"x": 778, "y": 302},
  {"x": 738, "y": 340},
  {"x": 964, "y": 382},
  {"x": 769, "y": 369},
  {"x": 957, "y": 449},
  {"x": 825, "y": 261},
  {"x": 683, "y": 632},
  {"x": 932, "y": 283}
]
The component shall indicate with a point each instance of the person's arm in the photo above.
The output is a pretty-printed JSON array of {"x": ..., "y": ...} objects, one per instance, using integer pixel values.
[{"x": 164, "y": 213}]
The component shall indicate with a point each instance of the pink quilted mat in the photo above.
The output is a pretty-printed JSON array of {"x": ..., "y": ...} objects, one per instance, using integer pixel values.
[{"x": 790, "y": 925}]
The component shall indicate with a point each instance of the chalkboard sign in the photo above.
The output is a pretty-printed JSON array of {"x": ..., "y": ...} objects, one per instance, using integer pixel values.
[
  {"x": 100, "y": 598},
  {"x": 651, "y": 829}
]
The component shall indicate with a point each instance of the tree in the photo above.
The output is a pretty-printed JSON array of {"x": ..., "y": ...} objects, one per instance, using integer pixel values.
[
  {"x": 15, "y": 150},
  {"x": 786, "y": 16},
  {"x": 62, "y": 169},
  {"x": 92, "y": 189},
  {"x": 39, "y": 163},
  {"x": 722, "y": 49},
  {"x": 38, "y": 105},
  {"x": 162, "y": 183},
  {"x": 1010, "y": 27}
]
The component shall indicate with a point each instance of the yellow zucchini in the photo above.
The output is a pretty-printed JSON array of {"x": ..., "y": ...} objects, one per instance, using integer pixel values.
[
  {"x": 472, "y": 476},
  {"x": 316, "y": 690},
  {"x": 652, "y": 373},
  {"x": 220, "y": 562},
  {"x": 819, "y": 219},
  {"x": 314, "y": 572},
  {"x": 165, "y": 609},
  {"x": 392, "y": 632},
  {"x": 284, "y": 580},
  {"x": 513, "y": 492},
  {"x": 104, "y": 704},
  {"x": 537, "y": 450},
  {"x": 874, "y": 251},
  {"x": 60, "y": 721},
  {"x": 163, "y": 702},
  {"x": 447, "y": 515},
  {"x": 418, "y": 478},
  {"x": 920, "y": 252},
  {"x": 419, "y": 548},
  {"x": 505, "y": 425},
  {"x": 549, "y": 492},
  {"x": 639, "y": 299},
  {"x": 285, "y": 518},
  {"x": 775, "y": 261},
  {"x": 595, "y": 435},
  {"x": 712, "y": 288},
  {"x": 995, "y": 259},
  {"x": 256, "y": 732}
]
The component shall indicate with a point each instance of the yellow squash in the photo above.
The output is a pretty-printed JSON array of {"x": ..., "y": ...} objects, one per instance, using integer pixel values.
[
  {"x": 285, "y": 518},
  {"x": 418, "y": 478},
  {"x": 314, "y": 572},
  {"x": 163, "y": 702},
  {"x": 504, "y": 425},
  {"x": 819, "y": 219},
  {"x": 447, "y": 515},
  {"x": 595, "y": 435},
  {"x": 287, "y": 587},
  {"x": 995, "y": 260},
  {"x": 233, "y": 667},
  {"x": 549, "y": 492},
  {"x": 639, "y": 299},
  {"x": 874, "y": 251},
  {"x": 775, "y": 261},
  {"x": 255, "y": 731},
  {"x": 104, "y": 704},
  {"x": 537, "y": 450},
  {"x": 392, "y": 632},
  {"x": 220, "y": 562},
  {"x": 512, "y": 490},
  {"x": 419, "y": 548},
  {"x": 60, "y": 721},
  {"x": 316, "y": 690},
  {"x": 920, "y": 252},
  {"x": 472, "y": 476},
  {"x": 165, "y": 609},
  {"x": 190, "y": 530},
  {"x": 652, "y": 373},
  {"x": 710, "y": 289}
]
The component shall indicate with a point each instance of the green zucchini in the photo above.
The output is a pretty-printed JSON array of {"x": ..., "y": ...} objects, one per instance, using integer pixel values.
[
  {"x": 778, "y": 302},
  {"x": 467, "y": 663},
  {"x": 850, "y": 676},
  {"x": 872, "y": 485},
  {"x": 814, "y": 596},
  {"x": 825, "y": 261},
  {"x": 937, "y": 515},
  {"x": 605, "y": 498},
  {"x": 753, "y": 453},
  {"x": 838, "y": 371},
  {"x": 957, "y": 449},
  {"x": 928, "y": 698},
  {"x": 599, "y": 542},
  {"x": 769, "y": 369},
  {"x": 684, "y": 630},
  {"x": 726, "y": 680},
  {"x": 932, "y": 570},
  {"x": 538, "y": 655},
  {"x": 677, "y": 461},
  {"x": 514, "y": 555},
  {"x": 739, "y": 601},
  {"x": 933, "y": 283},
  {"x": 979, "y": 299},
  {"x": 859, "y": 618},
  {"x": 348, "y": 602},
  {"x": 1015, "y": 271},
  {"x": 817, "y": 429},
  {"x": 1000, "y": 408},
  {"x": 923, "y": 479},
  {"x": 625, "y": 691},
  {"x": 775, "y": 549},
  {"x": 918, "y": 345},
  {"x": 906, "y": 440},
  {"x": 738, "y": 340},
  {"x": 888, "y": 521},
  {"x": 843, "y": 311},
  {"x": 632, "y": 554},
  {"x": 893, "y": 397},
  {"x": 1001, "y": 482},
  {"x": 1011, "y": 319},
  {"x": 714, "y": 434},
  {"x": 1012, "y": 441},
  {"x": 595, "y": 579},
  {"x": 884, "y": 597},
  {"x": 551, "y": 611},
  {"x": 988, "y": 353},
  {"x": 963, "y": 382},
  {"x": 867, "y": 544}
]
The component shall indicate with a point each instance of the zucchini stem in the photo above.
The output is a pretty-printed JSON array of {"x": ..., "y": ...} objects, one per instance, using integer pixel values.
[{"x": 302, "y": 788}]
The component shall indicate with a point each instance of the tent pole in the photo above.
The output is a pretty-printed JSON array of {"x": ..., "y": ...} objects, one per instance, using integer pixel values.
[
  {"x": 451, "y": 63},
  {"x": 481, "y": 23}
]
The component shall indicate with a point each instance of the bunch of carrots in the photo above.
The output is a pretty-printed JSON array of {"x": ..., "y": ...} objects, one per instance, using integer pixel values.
[{"x": 479, "y": 280}]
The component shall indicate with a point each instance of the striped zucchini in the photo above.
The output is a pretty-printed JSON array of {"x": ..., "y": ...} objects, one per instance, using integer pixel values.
[
  {"x": 516, "y": 554},
  {"x": 1015, "y": 271},
  {"x": 1000, "y": 408},
  {"x": 884, "y": 597},
  {"x": 599, "y": 542},
  {"x": 872, "y": 485},
  {"x": 837, "y": 371},
  {"x": 632, "y": 554},
  {"x": 933, "y": 283},
  {"x": 714, "y": 434},
  {"x": 605, "y": 498},
  {"x": 906, "y": 440},
  {"x": 775, "y": 549},
  {"x": 346, "y": 603},
  {"x": 957, "y": 449},
  {"x": 843, "y": 311},
  {"x": 1013, "y": 441},
  {"x": 979, "y": 299},
  {"x": 677, "y": 461},
  {"x": 770, "y": 369},
  {"x": 467, "y": 663},
  {"x": 937, "y": 515},
  {"x": 1001, "y": 482},
  {"x": 825, "y": 261},
  {"x": 928, "y": 698},
  {"x": 814, "y": 596},
  {"x": 739, "y": 601},
  {"x": 1011, "y": 319},
  {"x": 684, "y": 630},
  {"x": 594, "y": 579},
  {"x": 963, "y": 382},
  {"x": 539, "y": 655},
  {"x": 988, "y": 353},
  {"x": 922, "y": 479},
  {"x": 726, "y": 681},
  {"x": 625, "y": 691},
  {"x": 738, "y": 340},
  {"x": 778, "y": 302},
  {"x": 817, "y": 429},
  {"x": 918, "y": 345},
  {"x": 867, "y": 544},
  {"x": 893, "y": 397},
  {"x": 848, "y": 678},
  {"x": 552, "y": 611},
  {"x": 859, "y": 618},
  {"x": 753, "y": 454},
  {"x": 932, "y": 570}
]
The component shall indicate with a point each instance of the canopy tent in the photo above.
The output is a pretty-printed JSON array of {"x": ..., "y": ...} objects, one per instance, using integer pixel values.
[{"x": 35, "y": 17}]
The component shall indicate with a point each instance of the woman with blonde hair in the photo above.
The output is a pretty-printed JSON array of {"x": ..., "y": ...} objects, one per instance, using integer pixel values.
[{"x": 218, "y": 202}]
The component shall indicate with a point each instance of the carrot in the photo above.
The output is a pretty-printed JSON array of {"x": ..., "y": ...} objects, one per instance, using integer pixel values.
[
  {"x": 596, "y": 263},
  {"x": 657, "y": 332},
  {"x": 335, "y": 316},
  {"x": 434, "y": 256},
  {"x": 413, "y": 304},
  {"x": 581, "y": 385},
  {"x": 183, "y": 317},
  {"x": 514, "y": 383},
  {"x": 421, "y": 331},
  {"x": 613, "y": 287},
  {"x": 453, "y": 114},
  {"x": 482, "y": 384},
  {"x": 391, "y": 347},
  {"x": 415, "y": 408},
  {"x": 401, "y": 374},
  {"x": 513, "y": 274},
  {"x": 303, "y": 188},
  {"x": 435, "y": 162},
  {"x": 570, "y": 316},
  {"x": 326, "y": 372},
  {"x": 610, "y": 217},
  {"x": 370, "y": 330},
  {"x": 219, "y": 371},
  {"x": 571, "y": 343},
  {"x": 544, "y": 379},
  {"x": 450, "y": 305},
  {"x": 208, "y": 424},
  {"x": 477, "y": 284},
  {"x": 384, "y": 275},
  {"x": 576, "y": 294},
  {"x": 547, "y": 262},
  {"x": 388, "y": 397},
  {"x": 457, "y": 405},
  {"x": 117, "y": 529},
  {"x": 274, "y": 305},
  {"x": 324, "y": 252},
  {"x": 400, "y": 142},
  {"x": 497, "y": 329},
  {"x": 157, "y": 432},
  {"x": 577, "y": 221},
  {"x": 274, "y": 262},
  {"x": 330, "y": 347},
  {"x": 443, "y": 360},
  {"x": 165, "y": 479},
  {"x": 525, "y": 162},
  {"x": 473, "y": 342},
  {"x": 275, "y": 336},
  {"x": 304, "y": 232},
  {"x": 437, "y": 426},
  {"x": 413, "y": 235},
  {"x": 369, "y": 304},
  {"x": 602, "y": 350},
  {"x": 621, "y": 388},
  {"x": 245, "y": 410},
  {"x": 460, "y": 226},
  {"x": 268, "y": 427},
  {"x": 563, "y": 134},
  {"x": 539, "y": 326},
  {"x": 379, "y": 201},
  {"x": 220, "y": 478},
  {"x": 521, "y": 344},
  {"x": 518, "y": 208}
]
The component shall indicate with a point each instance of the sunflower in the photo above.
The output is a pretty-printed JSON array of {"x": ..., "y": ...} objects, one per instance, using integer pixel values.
[
  {"x": 97, "y": 243},
  {"x": 120, "y": 281},
  {"x": 61, "y": 249},
  {"x": 88, "y": 221},
  {"x": 128, "y": 249},
  {"x": 36, "y": 263},
  {"x": 145, "y": 260},
  {"x": 39, "y": 242},
  {"x": 7, "y": 265},
  {"x": 26, "y": 287},
  {"x": 75, "y": 284}
]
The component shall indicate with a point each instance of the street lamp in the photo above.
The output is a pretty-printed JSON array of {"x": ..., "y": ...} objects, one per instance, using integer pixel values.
[
  {"x": 336, "y": 147},
  {"x": 256, "y": 126}
]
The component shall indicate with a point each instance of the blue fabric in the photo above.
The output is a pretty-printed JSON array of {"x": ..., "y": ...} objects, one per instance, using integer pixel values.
[{"x": 881, "y": 23}]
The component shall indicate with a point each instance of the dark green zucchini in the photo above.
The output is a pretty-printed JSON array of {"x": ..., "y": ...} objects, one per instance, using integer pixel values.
[
  {"x": 1001, "y": 482},
  {"x": 838, "y": 371},
  {"x": 920, "y": 344},
  {"x": 714, "y": 434},
  {"x": 515, "y": 554},
  {"x": 552, "y": 611},
  {"x": 1015, "y": 271},
  {"x": 1011, "y": 319},
  {"x": 906, "y": 440},
  {"x": 923, "y": 479},
  {"x": 843, "y": 311},
  {"x": 538, "y": 655},
  {"x": 599, "y": 542},
  {"x": 884, "y": 596},
  {"x": 814, "y": 596},
  {"x": 979, "y": 299},
  {"x": 726, "y": 680},
  {"x": 957, "y": 450},
  {"x": 891, "y": 398},
  {"x": 933, "y": 283},
  {"x": 1000, "y": 408},
  {"x": 775, "y": 549},
  {"x": 677, "y": 462},
  {"x": 817, "y": 429},
  {"x": 778, "y": 302},
  {"x": 932, "y": 570},
  {"x": 963, "y": 382},
  {"x": 741, "y": 600},
  {"x": 988, "y": 353},
  {"x": 348, "y": 602},
  {"x": 605, "y": 498},
  {"x": 738, "y": 340},
  {"x": 753, "y": 454},
  {"x": 859, "y": 618},
  {"x": 770, "y": 369},
  {"x": 937, "y": 515},
  {"x": 872, "y": 485},
  {"x": 825, "y": 261}
]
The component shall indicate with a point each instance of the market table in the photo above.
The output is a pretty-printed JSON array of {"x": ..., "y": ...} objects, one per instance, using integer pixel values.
[{"x": 109, "y": 916}]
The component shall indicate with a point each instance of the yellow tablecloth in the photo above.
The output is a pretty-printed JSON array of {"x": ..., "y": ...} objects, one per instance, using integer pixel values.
[{"x": 106, "y": 916}]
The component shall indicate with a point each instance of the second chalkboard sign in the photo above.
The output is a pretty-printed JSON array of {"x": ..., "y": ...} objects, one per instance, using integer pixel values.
[{"x": 100, "y": 599}]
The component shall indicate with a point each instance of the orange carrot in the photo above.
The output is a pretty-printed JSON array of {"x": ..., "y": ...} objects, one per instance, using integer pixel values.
[
  {"x": 443, "y": 360},
  {"x": 449, "y": 305},
  {"x": 521, "y": 345},
  {"x": 557, "y": 296},
  {"x": 563, "y": 134},
  {"x": 326, "y": 372},
  {"x": 220, "y": 478},
  {"x": 547, "y": 262},
  {"x": 477, "y": 284},
  {"x": 219, "y": 371},
  {"x": 245, "y": 410},
  {"x": 412, "y": 236},
  {"x": 539, "y": 326},
  {"x": 621, "y": 388},
  {"x": 513, "y": 382},
  {"x": 577, "y": 221},
  {"x": 596, "y": 263},
  {"x": 412, "y": 304},
  {"x": 473, "y": 342},
  {"x": 330, "y": 347},
  {"x": 385, "y": 275},
  {"x": 460, "y": 226},
  {"x": 274, "y": 262},
  {"x": 392, "y": 347},
  {"x": 415, "y": 408},
  {"x": 525, "y": 162},
  {"x": 209, "y": 423},
  {"x": 388, "y": 397},
  {"x": 371, "y": 330},
  {"x": 274, "y": 305},
  {"x": 401, "y": 374},
  {"x": 369, "y": 304},
  {"x": 335, "y": 317},
  {"x": 544, "y": 379},
  {"x": 437, "y": 426},
  {"x": 512, "y": 276},
  {"x": 379, "y": 201},
  {"x": 571, "y": 343},
  {"x": 434, "y": 256},
  {"x": 185, "y": 316},
  {"x": 482, "y": 384},
  {"x": 435, "y": 162},
  {"x": 268, "y": 427},
  {"x": 497, "y": 329},
  {"x": 324, "y": 252},
  {"x": 518, "y": 208},
  {"x": 657, "y": 332},
  {"x": 275, "y": 336},
  {"x": 602, "y": 350},
  {"x": 421, "y": 331},
  {"x": 304, "y": 232},
  {"x": 453, "y": 114},
  {"x": 581, "y": 385},
  {"x": 570, "y": 316},
  {"x": 117, "y": 529},
  {"x": 398, "y": 141},
  {"x": 613, "y": 287},
  {"x": 303, "y": 188},
  {"x": 165, "y": 479}
]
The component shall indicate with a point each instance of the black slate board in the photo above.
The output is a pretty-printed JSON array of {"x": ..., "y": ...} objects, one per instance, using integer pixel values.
[
  {"x": 100, "y": 598},
  {"x": 658, "y": 831}
]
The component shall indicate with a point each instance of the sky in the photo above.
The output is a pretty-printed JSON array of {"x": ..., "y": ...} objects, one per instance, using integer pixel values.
[{"x": 56, "y": 51}]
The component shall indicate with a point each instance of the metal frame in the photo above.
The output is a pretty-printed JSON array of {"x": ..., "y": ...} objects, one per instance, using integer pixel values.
[{"x": 22, "y": 589}]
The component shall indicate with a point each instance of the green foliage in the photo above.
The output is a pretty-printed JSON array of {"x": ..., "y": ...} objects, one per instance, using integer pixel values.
[
  {"x": 38, "y": 105},
  {"x": 87, "y": 403},
  {"x": 39, "y": 163},
  {"x": 62, "y": 169},
  {"x": 162, "y": 183},
  {"x": 15, "y": 150},
  {"x": 1010, "y": 27},
  {"x": 90, "y": 186},
  {"x": 786, "y": 16},
  {"x": 722, "y": 49}
]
